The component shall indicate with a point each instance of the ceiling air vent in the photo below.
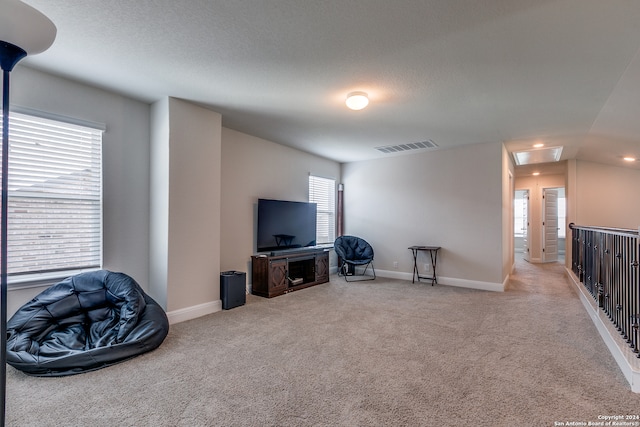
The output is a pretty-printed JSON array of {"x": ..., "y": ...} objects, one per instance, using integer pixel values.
[{"x": 421, "y": 145}]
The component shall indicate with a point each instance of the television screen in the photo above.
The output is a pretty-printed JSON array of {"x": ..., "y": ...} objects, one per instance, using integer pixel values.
[{"x": 285, "y": 225}]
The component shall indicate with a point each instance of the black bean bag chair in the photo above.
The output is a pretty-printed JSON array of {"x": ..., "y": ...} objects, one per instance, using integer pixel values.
[{"x": 84, "y": 323}]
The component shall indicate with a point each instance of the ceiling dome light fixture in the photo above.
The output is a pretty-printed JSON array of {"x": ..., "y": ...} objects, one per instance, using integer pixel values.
[
  {"x": 357, "y": 100},
  {"x": 629, "y": 159}
]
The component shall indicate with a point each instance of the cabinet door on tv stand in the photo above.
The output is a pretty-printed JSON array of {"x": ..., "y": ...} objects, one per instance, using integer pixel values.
[
  {"x": 322, "y": 267},
  {"x": 277, "y": 276}
]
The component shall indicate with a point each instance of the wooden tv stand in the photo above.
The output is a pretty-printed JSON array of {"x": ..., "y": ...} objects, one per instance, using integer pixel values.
[{"x": 274, "y": 275}]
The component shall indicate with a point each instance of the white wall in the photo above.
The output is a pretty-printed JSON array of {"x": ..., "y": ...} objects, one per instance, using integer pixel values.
[
  {"x": 508, "y": 189},
  {"x": 597, "y": 195},
  {"x": 449, "y": 198},
  {"x": 186, "y": 169},
  {"x": 605, "y": 196},
  {"x": 125, "y": 164},
  {"x": 159, "y": 201},
  {"x": 254, "y": 168},
  {"x": 185, "y": 214},
  {"x": 453, "y": 198}
]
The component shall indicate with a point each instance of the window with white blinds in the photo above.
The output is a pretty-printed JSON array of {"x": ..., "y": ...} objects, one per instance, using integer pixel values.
[
  {"x": 55, "y": 197},
  {"x": 322, "y": 191}
]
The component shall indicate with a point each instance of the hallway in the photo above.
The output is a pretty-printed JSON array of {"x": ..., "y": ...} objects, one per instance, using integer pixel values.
[{"x": 538, "y": 277}]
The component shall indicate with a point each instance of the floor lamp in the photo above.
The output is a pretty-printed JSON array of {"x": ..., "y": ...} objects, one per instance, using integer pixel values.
[{"x": 23, "y": 31}]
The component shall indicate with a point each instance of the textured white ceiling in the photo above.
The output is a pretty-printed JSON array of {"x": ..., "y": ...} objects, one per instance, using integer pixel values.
[{"x": 562, "y": 72}]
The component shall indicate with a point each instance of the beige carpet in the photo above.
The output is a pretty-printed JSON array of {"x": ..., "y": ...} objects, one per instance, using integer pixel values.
[{"x": 380, "y": 353}]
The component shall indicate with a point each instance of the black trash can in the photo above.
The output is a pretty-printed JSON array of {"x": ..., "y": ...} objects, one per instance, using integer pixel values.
[{"x": 233, "y": 289}]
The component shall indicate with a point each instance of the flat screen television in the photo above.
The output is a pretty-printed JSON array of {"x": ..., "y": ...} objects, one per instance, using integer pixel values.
[{"x": 285, "y": 225}]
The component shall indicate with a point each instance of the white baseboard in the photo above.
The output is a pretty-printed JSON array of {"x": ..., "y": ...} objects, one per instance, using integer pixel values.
[
  {"x": 448, "y": 281},
  {"x": 199, "y": 310},
  {"x": 472, "y": 284},
  {"x": 389, "y": 274},
  {"x": 625, "y": 358},
  {"x": 194, "y": 312}
]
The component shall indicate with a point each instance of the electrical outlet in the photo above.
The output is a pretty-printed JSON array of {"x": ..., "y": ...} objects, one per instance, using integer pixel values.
[
  {"x": 395, "y": 264},
  {"x": 426, "y": 266}
]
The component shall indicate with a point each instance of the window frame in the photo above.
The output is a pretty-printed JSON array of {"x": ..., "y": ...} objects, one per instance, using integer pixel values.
[
  {"x": 30, "y": 125},
  {"x": 326, "y": 206}
]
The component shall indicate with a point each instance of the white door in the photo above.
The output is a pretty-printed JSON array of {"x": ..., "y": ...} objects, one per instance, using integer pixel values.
[{"x": 550, "y": 225}]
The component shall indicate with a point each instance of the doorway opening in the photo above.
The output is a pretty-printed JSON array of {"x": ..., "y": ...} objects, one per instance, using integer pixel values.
[
  {"x": 554, "y": 220},
  {"x": 521, "y": 223},
  {"x": 539, "y": 224}
]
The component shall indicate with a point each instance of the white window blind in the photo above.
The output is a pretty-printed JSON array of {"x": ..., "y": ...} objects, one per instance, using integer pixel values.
[
  {"x": 55, "y": 197},
  {"x": 322, "y": 191}
]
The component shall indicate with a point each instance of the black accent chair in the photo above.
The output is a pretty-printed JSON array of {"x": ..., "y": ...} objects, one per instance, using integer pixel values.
[
  {"x": 354, "y": 252},
  {"x": 83, "y": 323}
]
